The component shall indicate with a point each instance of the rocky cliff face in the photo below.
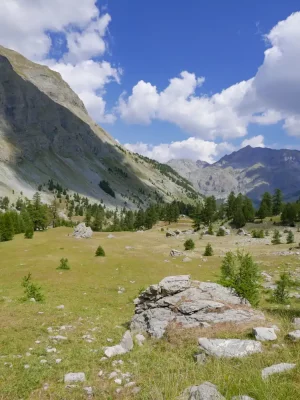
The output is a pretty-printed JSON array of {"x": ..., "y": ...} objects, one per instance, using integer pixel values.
[
  {"x": 251, "y": 171},
  {"x": 46, "y": 132}
]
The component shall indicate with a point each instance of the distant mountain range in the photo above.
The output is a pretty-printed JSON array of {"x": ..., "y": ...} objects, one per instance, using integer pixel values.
[
  {"x": 251, "y": 171},
  {"x": 46, "y": 133}
]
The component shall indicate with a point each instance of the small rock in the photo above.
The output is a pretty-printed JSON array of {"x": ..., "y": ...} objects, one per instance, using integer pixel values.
[
  {"x": 200, "y": 358},
  {"x": 118, "y": 381},
  {"x": 136, "y": 390},
  {"x": 175, "y": 253},
  {"x": 205, "y": 391},
  {"x": 46, "y": 386},
  {"x": 51, "y": 350},
  {"x": 140, "y": 339},
  {"x": 295, "y": 335},
  {"x": 125, "y": 346},
  {"x": 119, "y": 390},
  {"x": 130, "y": 384},
  {"x": 74, "y": 377},
  {"x": 100, "y": 373},
  {"x": 117, "y": 362},
  {"x": 88, "y": 390},
  {"x": 296, "y": 322},
  {"x": 58, "y": 338},
  {"x": 109, "y": 340},
  {"x": 103, "y": 359},
  {"x": 61, "y": 307},
  {"x": 28, "y": 354},
  {"x": 186, "y": 259},
  {"x": 26, "y": 366},
  {"x": 32, "y": 300},
  {"x": 276, "y": 369},
  {"x": 113, "y": 375},
  {"x": 43, "y": 361},
  {"x": 58, "y": 360},
  {"x": 264, "y": 334},
  {"x": 242, "y": 398},
  {"x": 229, "y": 347}
]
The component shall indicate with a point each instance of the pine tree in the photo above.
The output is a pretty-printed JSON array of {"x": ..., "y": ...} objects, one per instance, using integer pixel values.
[
  {"x": 189, "y": 244},
  {"x": 64, "y": 264},
  {"x": 98, "y": 222},
  {"x": 248, "y": 209},
  {"x": 208, "y": 250},
  {"x": 100, "y": 252},
  {"x": 228, "y": 269},
  {"x": 276, "y": 237},
  {"x": 88, "y": 217},
  {"x": 277, "y": 202},
  {"x": 281, "y": 293},
  {"x": 6, "y": 227},
  {"x": 290, "y": 238},
  {"x": 209, "y": 210},
  {"x": 29, "y": 232},
  {"x": 197, "y": 217},
  {"x": 267, "y": 205},
  {"x": 230, "y": 205},
  {"x": 140, "y": 219},
  {"x": 238, "y": 218}
]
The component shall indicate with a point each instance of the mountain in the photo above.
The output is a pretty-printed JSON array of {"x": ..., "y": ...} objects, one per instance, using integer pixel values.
[
  {"x": 251, "y": 171},
  {"x": 46, "y": 133}
]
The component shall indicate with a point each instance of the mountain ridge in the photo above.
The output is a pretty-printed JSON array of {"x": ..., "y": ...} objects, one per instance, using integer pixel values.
[
  {"x": 250, "y": 170},
  {"x": 46, "y": 133}
]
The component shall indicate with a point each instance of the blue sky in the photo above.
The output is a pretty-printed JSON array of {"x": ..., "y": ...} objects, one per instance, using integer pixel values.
[{"x": 119, "y": 56}]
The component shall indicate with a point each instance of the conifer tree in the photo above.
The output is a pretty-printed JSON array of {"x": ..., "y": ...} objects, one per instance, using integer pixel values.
[
  {"x": 290, "y": 238},
  {"x": 6, "y": 227},
  {"x": 208, "y": 250},
  {"x": 230, "y": 205},
  {"x": 276, "y": 237},
  {"x": 277, "y": 202}
]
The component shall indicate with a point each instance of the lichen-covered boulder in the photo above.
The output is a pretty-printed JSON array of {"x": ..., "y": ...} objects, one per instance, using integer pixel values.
[{"x": 81, "y": 231}]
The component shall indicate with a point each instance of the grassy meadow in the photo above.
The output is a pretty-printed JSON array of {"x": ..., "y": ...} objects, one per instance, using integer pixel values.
[{"x": 92, "y": 306}]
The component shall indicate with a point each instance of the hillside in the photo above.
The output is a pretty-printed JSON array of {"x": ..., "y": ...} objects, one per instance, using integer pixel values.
[
  {"x": 46, "y": 133},
  {"x": 251, "y": 171}
]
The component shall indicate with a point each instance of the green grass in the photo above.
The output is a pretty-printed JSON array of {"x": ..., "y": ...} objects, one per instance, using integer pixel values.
[{"x": 163, "y": 369}]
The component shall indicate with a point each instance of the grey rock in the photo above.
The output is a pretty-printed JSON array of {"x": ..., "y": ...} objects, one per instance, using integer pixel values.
[
  {"x": 226, "y": 230},
  {"x": 170, "y": 233},
  {"x": 264, "y": 334},
  {"x": 74, "y": 377},
  {"x": 243, "y": 397},
  {"x": 140, "y": 339},
  {"x": 187, "y": 259},
  {"x": 81, "y": 231},
  {"x": 188, "y": 304},
  {"x": 276, "y": 369},
  {"x": 296, "y": 322},
  {"x": 295, "y": 335},
  {"x": 175, "y": 253},
  {"x": 200, "y": 358},
  {"x": 205, "y": 391},
  {"x": 229, "y": 348},
  {"x": 125, "y": 346}
]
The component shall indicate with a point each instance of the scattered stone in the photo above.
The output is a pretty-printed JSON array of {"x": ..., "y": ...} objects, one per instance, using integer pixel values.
[
  {"x": 264, "y": 334},
  {"x": 117, "y": 362},
  {"x": 32, "y": 300},
  {"x": 170, "y": 233},
  {"x": 110, "y": 236},
  {"x": 103, "y": 359},
  {"x": 9, "y": 365},
  {"x": 188, "y": 304},
  {"x": 113, "y": 375},
  {"x": 119, "y": 390},
  {"x": 82, "y": 231},
  {"x": 58, "y": 338},
  {"x": 175, "y": 253},
  {"x": 276, "y": 369},
  {"x": 296, "y": 322},
  {"x": 266, "y": 277},
  {"x": 140, "y": 339},
  {"x": 58, "y": 360},
  {"x": 46, "y": 386},
  {"x": 187, "y": 259},
  {"x": 129, "y": 384},
  {"x": 242, "y": 398},
  {"x": 74, "y": 377},
  {"x": 125, "y": 346},
  {"x": 200, "y": 358},
  {"x": 61, "y": 307},
  {"x": 37, "y": 341},
  {"x": 118, "y": 381},
  {"x": 100, "y": 373},
  {"x": 88, "y": 390},
  {"x": 28, "y": 354},
  {"x": 229, "y": 347},
  {"x": 43, "y": 361},
  {"x": 51, "y": 350},
  {"x": 88, "y": 338},
  {"x": 205, "y": 391},
  {"x": 121, "y": 290},
  {"x": 295, "y": 335},
  {"x": 242, "y": 232},
  {"x": 26, "y": 366}
]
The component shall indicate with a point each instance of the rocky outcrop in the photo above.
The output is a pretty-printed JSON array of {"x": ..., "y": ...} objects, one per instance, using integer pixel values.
[
  {"x": 187, "y": 303},
  {"x": 82, "y": 231}
]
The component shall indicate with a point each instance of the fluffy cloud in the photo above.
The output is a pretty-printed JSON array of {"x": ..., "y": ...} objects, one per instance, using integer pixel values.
[
  {"x": 271, "y": 96},
  {"x": 192, "y": 148},
  {"x": 37, "y": 28},
  {"x": 255, "y": 141},
  {"x": 206, "y": 117}
]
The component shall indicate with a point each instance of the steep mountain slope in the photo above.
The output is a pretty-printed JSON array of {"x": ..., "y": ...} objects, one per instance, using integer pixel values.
[
  {"x": 46, "y": 132},
  {"x": 251, "y": 171}
]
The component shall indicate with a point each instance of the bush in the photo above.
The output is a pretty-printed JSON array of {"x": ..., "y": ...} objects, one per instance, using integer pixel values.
[
  {"x": 100, "y": 252},
  {"x": 64, "y": 264},
  {"x": 208, "y": 250},
  {"x": 281, "y": 293},
  {"x": 276, "y": 237},
  {"x": 267, "y": 233},
  {"x": 241, "y": 273},
  {"x": 290, "y": 238},
  {"x": 29, "y": 232},
  {"x": 221, "y": 232},
  {"x": 189, "y": 244},
  {"x": 31, "y": 290},
  {"x": 210, "y": 230},
  {"x": 258, "y": 234}
]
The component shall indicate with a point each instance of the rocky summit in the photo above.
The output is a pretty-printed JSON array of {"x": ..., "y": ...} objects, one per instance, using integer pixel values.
[
  {"x": 188, "y": 304},
  {"x": 46, "y": 133}
]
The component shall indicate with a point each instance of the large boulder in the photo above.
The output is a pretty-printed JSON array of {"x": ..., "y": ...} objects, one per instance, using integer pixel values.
[
  {"x": 225, "y": 230},
  {"x": 229, "y": 348},
  {"x": 82, "y": 231},
  {"x": 189, "y": 304},
  {"x": 264, "y": 334}
]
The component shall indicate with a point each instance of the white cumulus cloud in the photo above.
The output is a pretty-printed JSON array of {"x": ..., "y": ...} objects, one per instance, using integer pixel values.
[
  {"x": 191, "y": 148},
  {"x": 255, "y": 141}
]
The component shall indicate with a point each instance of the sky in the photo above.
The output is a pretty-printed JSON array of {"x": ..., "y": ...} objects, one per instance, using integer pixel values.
[{"x": 168, "y": 79}]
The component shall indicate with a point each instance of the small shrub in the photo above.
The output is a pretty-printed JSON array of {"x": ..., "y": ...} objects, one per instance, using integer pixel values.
[
  {"x": 208, "y": 250},
  {"x": 276, "y": 237},
  {"x": 221, "y": 232},
  {"x": 210, "y": 230},
  {"x": 64, "y": 264},
  {"x": 189, "y": 244},
  {"x": 241, "y": 273},
  {"x": 31, "y": 290},
  {"x": 290, "y": 238},
  {"x": 281, "y": 293},
  {"x": 258, "y": 234},
  {"x": 100, "y": 252},
  {"x": 267, "y": 233},
  {"x": 29, "y": 232}
]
